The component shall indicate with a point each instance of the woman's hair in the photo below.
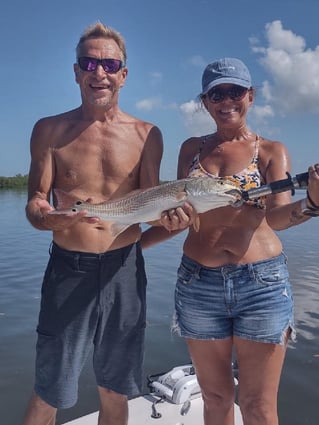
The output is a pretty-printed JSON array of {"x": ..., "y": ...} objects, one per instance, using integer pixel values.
[{"x": 99, "y": 30}]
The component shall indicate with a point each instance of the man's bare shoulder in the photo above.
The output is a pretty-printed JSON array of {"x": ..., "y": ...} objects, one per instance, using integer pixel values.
[
  {"x": 62, "y": 118},
  {"x": 140, "y": 125},
  {"x": 143, "y": 135},
  {"x": 51, "y": 128}
]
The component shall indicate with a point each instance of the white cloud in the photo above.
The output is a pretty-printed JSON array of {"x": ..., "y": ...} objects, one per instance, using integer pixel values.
[
  {"x": 261, "y": 113},
  {"x": 149, "y": 104},
  {"x": 198, "y": 61},
  {"x": 156, "y": 77},
  {"x": 196, "y": 119},
  {"x": 293, "y": 68}
]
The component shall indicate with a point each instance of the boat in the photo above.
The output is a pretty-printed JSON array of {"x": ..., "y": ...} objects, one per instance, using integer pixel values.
[{"x": 174, "y": 399}]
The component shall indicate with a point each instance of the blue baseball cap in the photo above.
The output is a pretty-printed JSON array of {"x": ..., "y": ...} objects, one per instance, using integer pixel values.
[{"x": 225, "y": 71}]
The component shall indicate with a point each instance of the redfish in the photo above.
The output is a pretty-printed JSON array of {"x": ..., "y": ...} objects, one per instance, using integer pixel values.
[{"x": 146, "y": 205}]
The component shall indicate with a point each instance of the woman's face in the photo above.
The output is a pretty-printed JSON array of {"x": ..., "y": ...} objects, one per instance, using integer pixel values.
[{"x": 228, "y": 104}]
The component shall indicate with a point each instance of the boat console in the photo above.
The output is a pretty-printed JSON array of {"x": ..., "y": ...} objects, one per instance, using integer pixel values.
[{"x": 178, "y": 385}]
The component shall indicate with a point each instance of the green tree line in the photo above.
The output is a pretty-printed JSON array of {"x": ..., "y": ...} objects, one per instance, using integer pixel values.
[
  {"x": 16, "y": 181},
  {"x": 20, "y": 180}
]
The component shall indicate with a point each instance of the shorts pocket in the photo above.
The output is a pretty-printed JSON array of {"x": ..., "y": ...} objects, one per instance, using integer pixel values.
[
  {"x": 185, "y": 275},
  {"x": 272, "y": 275}
]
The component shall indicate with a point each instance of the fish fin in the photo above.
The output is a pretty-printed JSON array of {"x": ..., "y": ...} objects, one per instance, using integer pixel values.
[
  {"x": 63, "y": 200},
  {"x": 181, "y": 196},
  {"x": 117, "y": 228},
  {"x": 196, "y": 224}
]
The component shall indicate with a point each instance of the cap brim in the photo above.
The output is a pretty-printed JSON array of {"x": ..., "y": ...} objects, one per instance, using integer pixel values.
[{"x": 227, "y": 80}]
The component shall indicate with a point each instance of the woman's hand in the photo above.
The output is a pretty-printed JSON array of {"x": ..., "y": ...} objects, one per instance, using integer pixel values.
[
  {"x": 313, "y": 186},
  {"x": 180, "y": 218}
]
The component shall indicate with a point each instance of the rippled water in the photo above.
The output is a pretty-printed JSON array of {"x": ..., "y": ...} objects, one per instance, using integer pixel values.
[{"x": 23, "y": 257}]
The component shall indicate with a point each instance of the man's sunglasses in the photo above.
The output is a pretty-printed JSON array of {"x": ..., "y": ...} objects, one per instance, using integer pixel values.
[
  {"x": 111, "y": 66},
  {"x": 217, "y": 94}
]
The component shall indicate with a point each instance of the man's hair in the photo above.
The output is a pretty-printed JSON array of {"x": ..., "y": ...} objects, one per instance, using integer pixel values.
[{"x": 99, "y": 30}]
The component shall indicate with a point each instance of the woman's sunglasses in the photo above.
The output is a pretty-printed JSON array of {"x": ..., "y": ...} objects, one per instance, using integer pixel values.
[
  {"x": 111, "y": 66},
  {"x": 217, "y": 94}
]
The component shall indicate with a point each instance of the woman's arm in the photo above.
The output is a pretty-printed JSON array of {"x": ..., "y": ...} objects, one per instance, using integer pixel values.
[{"x": 281, "y": 212}]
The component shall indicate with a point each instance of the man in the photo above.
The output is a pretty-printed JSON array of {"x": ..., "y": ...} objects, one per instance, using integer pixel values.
[{"x": 93, "y": 291}]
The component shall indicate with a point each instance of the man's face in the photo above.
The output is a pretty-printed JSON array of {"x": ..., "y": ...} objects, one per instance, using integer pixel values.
[{"x": 99, "y": 87}]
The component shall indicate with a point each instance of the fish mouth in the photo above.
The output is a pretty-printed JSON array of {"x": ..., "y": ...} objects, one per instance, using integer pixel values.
[{"x": 238, "y": 202}]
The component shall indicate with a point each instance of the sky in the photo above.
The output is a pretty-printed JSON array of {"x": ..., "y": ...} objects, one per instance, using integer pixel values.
[{"x": 169, "y": 43}]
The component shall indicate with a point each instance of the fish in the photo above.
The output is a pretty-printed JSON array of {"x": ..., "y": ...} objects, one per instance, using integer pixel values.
[{"x": 147, "y": 205}]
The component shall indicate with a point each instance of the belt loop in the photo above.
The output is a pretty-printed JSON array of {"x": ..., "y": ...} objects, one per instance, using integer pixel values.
[
  {"x": 76, "y": 261},
  {"x": 285, "y": 257},
  {"x": 197, "y": 272},
  {"x": 51, "y": 248},
  {"x": 123, "y": 257},
  {"x": 251, "y": 270}
]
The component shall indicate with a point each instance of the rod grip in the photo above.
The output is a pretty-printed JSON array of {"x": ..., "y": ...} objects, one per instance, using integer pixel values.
[{"x": 299, "y": 181}]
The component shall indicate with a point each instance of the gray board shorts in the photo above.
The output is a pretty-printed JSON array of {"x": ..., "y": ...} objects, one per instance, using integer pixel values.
[{"x": 91, "y": 300}]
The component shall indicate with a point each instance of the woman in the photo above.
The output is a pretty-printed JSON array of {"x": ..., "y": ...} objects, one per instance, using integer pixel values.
[{"x": 233, "y": 290}]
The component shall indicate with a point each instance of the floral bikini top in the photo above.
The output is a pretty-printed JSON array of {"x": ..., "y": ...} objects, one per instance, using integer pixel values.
[{"x": 246, "y": 179}]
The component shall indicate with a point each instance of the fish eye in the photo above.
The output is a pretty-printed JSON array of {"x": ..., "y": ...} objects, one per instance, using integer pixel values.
[
  {"x": 74, "y": 210},
  {"x": 78, "y": 203}
]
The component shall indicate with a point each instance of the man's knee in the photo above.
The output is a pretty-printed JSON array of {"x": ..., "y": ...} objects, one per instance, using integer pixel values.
[
  {"x": 114, "y": 407},
  {"x": 106, "y": 393},
  {"x": 39, "y": 412}
]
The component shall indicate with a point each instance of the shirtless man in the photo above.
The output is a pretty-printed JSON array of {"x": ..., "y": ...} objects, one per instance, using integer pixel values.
[{"x": 94, "y": 286}]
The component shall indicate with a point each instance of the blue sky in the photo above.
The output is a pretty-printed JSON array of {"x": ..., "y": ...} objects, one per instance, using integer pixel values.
[{"x": 169, "y": 43}]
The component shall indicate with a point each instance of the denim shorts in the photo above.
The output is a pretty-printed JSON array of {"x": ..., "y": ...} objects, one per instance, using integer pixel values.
[
  {"x": 251, "y": 301},
  {"x": 91, "y": 301}
]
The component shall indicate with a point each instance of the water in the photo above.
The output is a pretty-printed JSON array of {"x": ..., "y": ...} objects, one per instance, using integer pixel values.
[{"x": 23, "y": 257}]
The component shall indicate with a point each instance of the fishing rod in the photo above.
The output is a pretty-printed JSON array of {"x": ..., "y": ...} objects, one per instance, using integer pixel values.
[{"x": 299, "y": 181}]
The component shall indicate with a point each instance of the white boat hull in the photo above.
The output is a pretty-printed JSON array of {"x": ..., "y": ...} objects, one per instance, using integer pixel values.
[
  {"x": 174, "y": 399},
  {"x": 140, "y": 413}
]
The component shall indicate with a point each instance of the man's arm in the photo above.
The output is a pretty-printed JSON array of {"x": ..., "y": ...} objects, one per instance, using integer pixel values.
[
  {"x": 151, "y": 159},
  {"x": 171, "y": 223},
  {"x": 40, "y": 176},
  {"x": 40, "y": 181}
]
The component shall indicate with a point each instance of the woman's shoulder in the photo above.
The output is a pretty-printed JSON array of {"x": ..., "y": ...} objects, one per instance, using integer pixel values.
[
  {"x": 194, "y": 143},
  {"x": 269, "y": 148},
  {"x": 269, "y": 144},
  {"x": 188, "y": 151},
  {"x": 272, "y": 153},
  {"x": 190, "y": 148}
]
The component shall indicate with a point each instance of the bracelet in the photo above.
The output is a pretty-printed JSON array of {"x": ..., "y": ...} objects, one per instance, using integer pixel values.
[
  {"x": 313, "y": 205},
  {"x": 308, "y": 211}
]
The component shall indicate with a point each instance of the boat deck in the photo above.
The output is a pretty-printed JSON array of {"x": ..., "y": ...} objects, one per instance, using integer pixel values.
[{"x": 140, "y": 413}]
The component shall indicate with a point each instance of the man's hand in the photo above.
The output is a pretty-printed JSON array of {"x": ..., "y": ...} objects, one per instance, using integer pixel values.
[{"x": 38, "y": 213}]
